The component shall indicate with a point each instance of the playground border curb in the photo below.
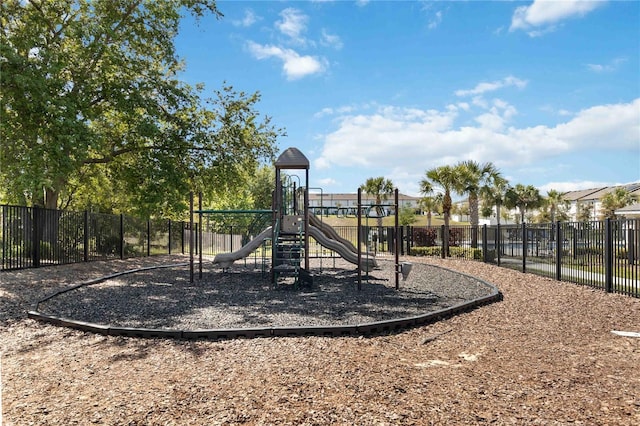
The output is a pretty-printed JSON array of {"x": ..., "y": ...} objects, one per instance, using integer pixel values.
[{"x": 366, "y": 329}]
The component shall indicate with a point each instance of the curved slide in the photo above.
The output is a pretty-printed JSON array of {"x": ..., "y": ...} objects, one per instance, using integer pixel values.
[
  {"x": 225, "y": 260},
  {"x": 331, "y": 233},
  {"x": 368, "y": 263}
]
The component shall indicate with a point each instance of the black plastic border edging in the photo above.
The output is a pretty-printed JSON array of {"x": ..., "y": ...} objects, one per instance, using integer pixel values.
[{"x": 373, "y": 328}]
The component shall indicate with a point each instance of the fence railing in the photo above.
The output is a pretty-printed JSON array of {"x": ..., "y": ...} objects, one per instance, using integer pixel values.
[
  {"x": 33, "y": 237},
  {"x": 602, "y": 254}
]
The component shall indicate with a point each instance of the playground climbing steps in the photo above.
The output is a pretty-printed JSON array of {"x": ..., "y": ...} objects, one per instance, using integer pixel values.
[{"x": 290, "y": 250}]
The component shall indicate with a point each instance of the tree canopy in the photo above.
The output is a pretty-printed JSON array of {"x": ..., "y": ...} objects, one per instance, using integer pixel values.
[{"x": 92, "y": 110}]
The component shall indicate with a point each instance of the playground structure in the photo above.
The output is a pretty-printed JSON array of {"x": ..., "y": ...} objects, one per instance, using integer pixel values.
[{"x": 292, "y": 226}]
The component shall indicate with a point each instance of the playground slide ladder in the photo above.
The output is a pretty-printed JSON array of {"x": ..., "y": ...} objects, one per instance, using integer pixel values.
[{"x": 289, "y": 253}]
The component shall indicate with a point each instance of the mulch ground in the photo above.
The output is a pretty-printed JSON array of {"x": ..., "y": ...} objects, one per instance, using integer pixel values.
[{"x": 545, "y": 355}]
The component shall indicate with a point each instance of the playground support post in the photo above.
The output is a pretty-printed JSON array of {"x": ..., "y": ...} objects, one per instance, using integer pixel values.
[
  {"x": 191, "y": 237},
  {"x": 397, "y": 243},
  {"x": 200, "y": 235},
  {"x": 359, "y": 239}
]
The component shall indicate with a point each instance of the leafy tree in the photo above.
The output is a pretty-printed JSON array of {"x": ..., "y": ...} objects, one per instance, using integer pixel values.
[
  {"x": 614, "y": 200},
  {"x": 407, "y": 216},
  {"x": 474, "y": 178},
  {"x": 444, "y": 179},
  {"x": 380, "y": 188},
  {"x": 261, "y": 186},
  {"x": 90, "y": 99},
  {"x": 524, "y": 198},
  {"x": 583, "y": 212}
]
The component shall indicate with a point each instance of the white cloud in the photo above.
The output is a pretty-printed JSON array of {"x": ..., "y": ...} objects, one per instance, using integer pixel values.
[
  {"x": 331, "y": 40},
  {"x": 435, "y": 20},
  {"x": 248, "y": 20},
  {"x": 610, "y": 67},
  {"x": 415, "y": 140},
  {"x": 542, "y": 15},
  {"x": 485, "y": 87},
  {"x": 293, "y": 24},
  {"x": 294, "y": 65},
  {"x": 327, "y": 181}
]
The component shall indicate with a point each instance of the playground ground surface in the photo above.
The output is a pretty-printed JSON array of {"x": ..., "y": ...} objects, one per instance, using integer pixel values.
[{"x": 544, "y": 355}]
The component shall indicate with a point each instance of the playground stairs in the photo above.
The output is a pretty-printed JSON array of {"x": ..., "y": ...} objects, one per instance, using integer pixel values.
[{"x": 289, "y": 254}]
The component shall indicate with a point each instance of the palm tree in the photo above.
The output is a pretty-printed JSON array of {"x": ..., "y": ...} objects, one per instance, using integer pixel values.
[
  {"x": 524, "y": 198},
  {"x": 614, "y": 200},
  {"x": 380, "y": 188},
  {"x": 556, "y": 202},
  {"x": 474, "y": 177},
  {"x": 430, "y": 204},
  {"x": 446, "y": 178},
  {"x": 495, "y": 193}
]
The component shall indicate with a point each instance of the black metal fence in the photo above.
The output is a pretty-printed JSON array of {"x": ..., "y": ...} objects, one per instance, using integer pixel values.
[
  {"x": 601, "y": 254},
  {"x": 33, "y": 237}
]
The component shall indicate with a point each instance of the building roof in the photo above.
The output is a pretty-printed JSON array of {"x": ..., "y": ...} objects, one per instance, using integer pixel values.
[
  {"x": 353, "y": 198},
  {"x": 595, "y": 194},
  {"x": 630, "y": 210}
]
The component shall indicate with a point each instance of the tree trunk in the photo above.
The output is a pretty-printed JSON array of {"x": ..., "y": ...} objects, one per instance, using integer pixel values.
[{"x": 474, "y": 218}]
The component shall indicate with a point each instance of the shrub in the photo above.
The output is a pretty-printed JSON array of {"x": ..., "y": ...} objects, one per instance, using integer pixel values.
[
  {"x": 425, "y": 237},
  {"x": 459, "y": 252},
  {"x": 622, "y": 253},
  {"x": 426, "y": 251}
]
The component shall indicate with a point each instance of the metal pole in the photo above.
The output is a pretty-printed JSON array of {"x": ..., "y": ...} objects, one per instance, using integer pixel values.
[
  {"x": 201, "y": 233},
  {"x": 397, "y": 243},
  {"x": 559, "y": 247},
  {"x": 359, "y": 239},
  {"x": 306, "y": 220},
  {"x": 121, "y": 236},
  {"x": 608, "y": 255},
  {"x": 148, "y": 237},
  {"x": 485, "y": 243},
  {"x": 191, "y": 237},
  {"x": 525, "y": 242},
  {"x": 86, "y": 236}
]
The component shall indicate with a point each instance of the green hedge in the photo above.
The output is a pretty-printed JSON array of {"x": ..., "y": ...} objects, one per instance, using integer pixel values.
[{"x": 460, "y": 252}]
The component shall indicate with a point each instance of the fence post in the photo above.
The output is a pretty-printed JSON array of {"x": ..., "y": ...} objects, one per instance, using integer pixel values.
[
  {"x": 485, "y": 243},
  {"x": 525, "y": 244},
  {"x": 608, "y": 256},
  {"x": 121, "y": 236},
  {"x": 148, "y": 237},
  {"x": 559, "y": 249},
  {"x": 443, "y": 254},
  {"x": 85, "y": 240},
  {"x": 498, "y": 243},
  {"x": 169, "y": 249},
  {"x": 182, "y": 235},
  {"x": 631, "y": 255},
  {"x": 35, "y": 234}
]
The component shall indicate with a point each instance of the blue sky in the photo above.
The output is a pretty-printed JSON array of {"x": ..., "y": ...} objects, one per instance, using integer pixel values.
[{"x": 549, "y": 91}]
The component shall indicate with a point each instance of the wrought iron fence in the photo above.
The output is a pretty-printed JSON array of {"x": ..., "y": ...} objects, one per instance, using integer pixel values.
[
  {"x": 34, "y": 237},
  {"x": 601, "y": 254}
]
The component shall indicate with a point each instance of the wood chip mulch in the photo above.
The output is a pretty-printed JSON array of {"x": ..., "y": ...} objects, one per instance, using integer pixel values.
[{"x": 545, "y": 355}]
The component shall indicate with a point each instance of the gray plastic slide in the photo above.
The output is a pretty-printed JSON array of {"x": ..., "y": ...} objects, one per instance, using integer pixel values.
[
  {"x": 368, "y": 263},
  {"x": 225, "y": 260},
  {"x": 331, "y": 233}
]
